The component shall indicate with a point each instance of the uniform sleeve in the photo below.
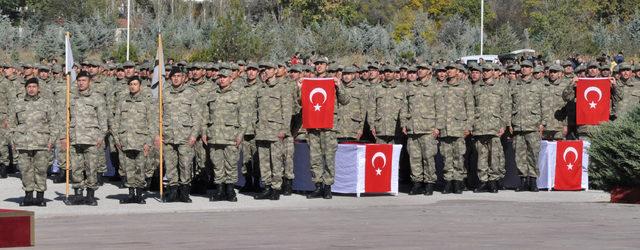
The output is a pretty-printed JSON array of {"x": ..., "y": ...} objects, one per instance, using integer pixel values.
[
  {"x": 286, "y": 104},
  {"x": 103, "y": 115},
  {"x": 469, "y": 103},
  {"x": 505, "y": 106},
  {"x": 343, "y": 95},
  {"x": 405, "y": 111},
  {"x": 152, "y": 119},
  {"x": 51, "y": 125},
  {"x": 540, "y": 102},
  {"x": 115, "y": 125},
  {"x": 238, "y": 116}
]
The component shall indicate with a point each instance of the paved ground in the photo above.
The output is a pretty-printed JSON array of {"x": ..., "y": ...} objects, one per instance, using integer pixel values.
[{"x": 507, "y": 220}]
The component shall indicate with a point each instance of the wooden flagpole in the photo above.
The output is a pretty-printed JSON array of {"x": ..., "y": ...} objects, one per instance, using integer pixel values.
[
  {"x": 160, "y": 87},
  {"x": 68, "y": 122}
]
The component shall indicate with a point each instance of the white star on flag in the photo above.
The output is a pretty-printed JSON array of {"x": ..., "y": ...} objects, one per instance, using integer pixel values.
[
  {"x": 378, "y": 171},
  {"x": 570, "y": 166},
  {"x": 317, "y": 107},
  {"x": 592, "y": 104}
]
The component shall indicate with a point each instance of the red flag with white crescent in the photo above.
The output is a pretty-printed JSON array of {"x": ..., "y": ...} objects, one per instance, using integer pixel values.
[
  {"x": 318, "y": 97},
  {"x": 378, "y": 168},
  {"x": 593, "y": 99},
  {"x": 568, "y": 165}
]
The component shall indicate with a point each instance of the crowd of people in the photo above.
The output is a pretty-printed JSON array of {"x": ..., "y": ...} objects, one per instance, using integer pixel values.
[{"x": 218, "y": 116}]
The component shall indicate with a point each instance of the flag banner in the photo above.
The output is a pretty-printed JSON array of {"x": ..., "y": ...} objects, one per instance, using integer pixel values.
[
  {"x": 568, "y": 174},
  {"x": 378, "y": 169},
  {"x": 318, "y": 96},
  {"x": 593, "y": 101},
  {"x": 158, "y": 69},
  {"x": 68, "y": 59}
]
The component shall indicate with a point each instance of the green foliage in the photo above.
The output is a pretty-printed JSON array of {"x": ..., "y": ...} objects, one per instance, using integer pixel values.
[
  {"x": 505, "y": 39},
  {"x": 615, "y": 153},
  {"x": 120, "y": 53}
]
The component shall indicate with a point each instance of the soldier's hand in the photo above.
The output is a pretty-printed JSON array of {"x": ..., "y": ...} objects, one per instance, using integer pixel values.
[
  {"x": 192, "y": 141},
  {"x": 574, "y": 81},
  {"x": 541, "y": 129},
  {"x": 299, "y": 83},
  {"x": 238, "y": 141},
  {"x": 373, "y": 131},
  {"x": 404, "y": 130},
  {"x": 203, "y": 138},
  {"x": 467, "y": 133},
  {"x": 511, "y": 130},
  {"x": 49, "y": 147},
  {"x": 99, "y": 143},
  {"x": 157, "y": 141},
  {"x": 435, "y": 133},
  {"x": 281, "y": 135},
  {"x": 337, "y": 81},
  {"x": 500, "y": 132},
  {"x": 359, "y": 135},
  {"x": 119, "y": 146},
  {"x": 565, "y": 131},
  {"x": 613, "y": 81},
  {"x": 145, "y": 149}
]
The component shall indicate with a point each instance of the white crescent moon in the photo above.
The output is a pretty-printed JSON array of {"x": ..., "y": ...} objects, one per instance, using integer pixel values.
[
  {"x": 379, "y": 155},
  {"x": 318, "y": 90},
  {"x": 593, "y": 89},
  {"x": 570, "y": 150}
]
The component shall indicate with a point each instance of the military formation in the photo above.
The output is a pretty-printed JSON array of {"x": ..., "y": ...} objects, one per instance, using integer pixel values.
[{"x": 225, "y": 119}]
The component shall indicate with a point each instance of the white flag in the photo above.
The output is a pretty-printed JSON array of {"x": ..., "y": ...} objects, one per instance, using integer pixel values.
[
  {"x": 68, "y": 59},
  {"x": 159, "y": 67}
]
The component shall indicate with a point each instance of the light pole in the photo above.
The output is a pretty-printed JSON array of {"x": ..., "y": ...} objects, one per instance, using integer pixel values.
[
  {"x": 481, "y": 27},
  {"x": 128, "y": 25}
]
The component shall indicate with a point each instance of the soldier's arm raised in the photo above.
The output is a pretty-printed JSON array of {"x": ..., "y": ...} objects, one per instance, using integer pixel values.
[{"x": 342, "y": 94}]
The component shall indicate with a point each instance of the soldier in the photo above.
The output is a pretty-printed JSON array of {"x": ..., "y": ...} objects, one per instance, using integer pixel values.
[
  {"x": 627, "y": 91},
  {"x": 568, "y": 69},
  {"x": 493, "y": 115},
  {"x": 204, "y": 88},
  {"x": 527, "y": 126},
  {"x": 33, "y": 136},
  {"x": 223, "y": 134},
  {"x": 272, "y": 129},
  {"x": 418, "y": 122},
  {"x": 133, "y": 130},
  {"x": 181, "y": 124},
  {"x": 249, "y": 117},
  {"x": 555, "y": 108},
  {"x": 88, "y": 129},
  {"x": 389, "y": 102},
  {"x": 7, "y": 97},
  {"x": 351, "y": 116},
  {"x": 284, "y": 80},
  {"x": 323, "y": 142}
]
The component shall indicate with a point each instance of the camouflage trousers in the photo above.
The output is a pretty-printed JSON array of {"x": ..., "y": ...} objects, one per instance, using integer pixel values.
[
  {"x": 452, "y": 150},
  {"x": 33, "y": 167},
  {"x": 200, "y": 154},
  {"x": 490, "y": 158},
  {"x": 249, "y": 154},
  {"x": 152, "y": 162},
  {"x": 178, "y": 159},
  {"x": 323, "y": 145},
  {"x": 134, "y": 165},
  {"x": 85, "y": 160},
  {"x": 422, "y": 148},
  {"x": 225, "y": 163},
  {"x": 271, "y": 155},
  {"x": 289, "y": 147},
  {"x": 527, "y": 147},
  {"x": 5, "y": 158}
]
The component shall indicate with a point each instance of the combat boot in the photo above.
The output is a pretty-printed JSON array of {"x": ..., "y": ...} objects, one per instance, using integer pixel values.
[
  {"x": 524, "y": 185},
  {"x": 416, "y": 188},
  {"x": 493, "y": 187},
  {"x": 447, "y": 187},
  {"x": 60, "y": 177},
  {"x": 248, "y": 184},
  {"x": 265, "y": 194},
  {"x": 40, "y": 202},
  {"x": 481, "y": 188},
  {"x": 457, "y": 187},
  {"x": 218, "y": 195},
  {"x": 91, "y": 199},
  {"x": 231, "y": 193},
  {"x": 275, "y": 195},
  {"x": 3, "y": 171},
  {"x": 533, "y": 184},
  {"x": 318, "y": 192},
  {"x": 184, "y": 193},
  {"x": 76, "y": 199},
  {"x": 327, "y": 192},
  {"x": 28, "y": 199},
  {"x": 287, "y": 188},
  {"x": 428, "y": 189},
  {"x": 139, "y": 197},
  {"x": 170, "y": 194},
  {"x": 131, "y": 198}
]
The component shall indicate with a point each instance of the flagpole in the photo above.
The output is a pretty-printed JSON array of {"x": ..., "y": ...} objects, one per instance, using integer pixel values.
[
  {"x": 128, "y": 25},
  {"x": 68, "y": 122},
  {"x": 160, "y": 86}
]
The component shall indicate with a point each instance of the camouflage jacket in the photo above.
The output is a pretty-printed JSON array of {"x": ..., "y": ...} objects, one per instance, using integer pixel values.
[
  {"x": 626, "y": 96},
  {"x": 350, "y": 117},
  {"x": 492, "y": 108},
  {"x": 32, "y": 123},
  {"x": 275, "y": 107},
  {"x": 554, "y": 107},
  {"x": 88, "y": 117},
  {"x": 420, "y": 115},
  {"x": 135, "y": 122},
  {"x": 181, "y": 116},
  {"x": 390, "y": 100},
  {"x": 222, "y": 123},
  {"x": 249, "y": 106},
  {"x": 455, "y": 109},
  {"x": 527, "y": 111}
]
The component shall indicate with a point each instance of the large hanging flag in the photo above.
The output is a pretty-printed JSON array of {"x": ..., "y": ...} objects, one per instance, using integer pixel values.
[
  {"x": 593, "y": 100},
  {"x": 568, "y": 165},
  {"x": 318, "y": 99},
  {"x": 68, "y": 58}
]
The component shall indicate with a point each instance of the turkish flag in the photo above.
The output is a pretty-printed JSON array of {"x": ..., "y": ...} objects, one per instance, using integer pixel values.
[
  {"x": 318, "y": 98},
  {"x": 378, "y": 168},
  {"x": 593, "y": 99},
  {"x": 568, "y": 165}
]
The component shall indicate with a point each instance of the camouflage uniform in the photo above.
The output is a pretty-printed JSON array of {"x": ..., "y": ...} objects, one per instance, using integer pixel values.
[
  {"x": 626, "y": 94},
  {"x": 527, "y": 115},
  {"x": 390, "y": 100},
  {"x": 248, "y": 119},
  {"x": 290, "y": 87},
  {"x": 554, "y": 109},
  {"x": 205, "y": 89},
  {"x": 351, "y": 116}
]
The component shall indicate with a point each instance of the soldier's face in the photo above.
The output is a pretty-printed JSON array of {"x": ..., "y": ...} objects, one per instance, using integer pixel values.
[
  {"x": 269, "y": 72},
  {"x": 403, "y": 74},
  {"x": 512, "y": 75},
  {"x": 83, "y": 83},
  {"x": 487, "y": 74},
  {"x": 32, "y": 89},
  {"x": 594, "y": 72},
  {"x": 412, "y": 76},
  {"x": 526, "y": 71},
  {"x": 43, "y": 74},
  {"x": 134, "y": 87},
  {"x": 281, "y": 71},
  {"x": 224, "y": 81},
  {"x": 452, "y": 73},
  {"x": 347, "y": 77},
  {"x": 120, "y": 74},
  {"x": 496, "y": 74},
  {"x": 555, "y": 75},
  {"x": 388, "y": 75},
  {"x": 295, "y": 75},
  {"x": 252, "y": 74},
  {"x": 198, "y": 73},
  {"x": 178, "y": 79},
  {"x": 606, "y": 73},
  {"x": 9, "y": 71},
  {"x": 129, "y": 72},
  {"x": 626, "y": 74},
  {"x": 93, "y": 70},
  {"x": 321, "y": 68},
  {"x": 441, "y": 75},
  {"x": 475, "y": 75},
  {"x": 568, "y": 70},
  {"x": 28, "y": 71},
  {"x": 373, "y": 74},
  {"x": 364, "y": 75},
  {"x": 638, "y": 74}
]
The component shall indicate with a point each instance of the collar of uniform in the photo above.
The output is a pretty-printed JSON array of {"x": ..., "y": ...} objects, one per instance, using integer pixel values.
[
  {"x": 271, "y": 82},
  {"x": 556, "y": 82},
  {"x": 178, "y": 89},
  {"x": 199, "y": 81},
  {"x": 219, "y": 90},
  {"x": 135, "y": 97},
  {"x": 86, "y": 92},
  {"x": 350, "y": 84},
  {"x": 31, "y": 98},
  {"x": 526, "y": 81},
  {"x": 390, "y": 84},
  {"x": 628, "y": 82}
]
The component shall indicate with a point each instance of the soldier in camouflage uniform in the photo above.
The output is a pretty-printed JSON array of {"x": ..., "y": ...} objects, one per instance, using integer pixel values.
[
  {"x": 275, "y": 103},
  {"x": 454, "y": 121},
  {"x": 133, "y": 130},
  {"x": 492, "y": 116},
  {"x": 284, "y": 80},
  {"x": 527, "y": 125},
  {"x": 555, "y": 108},
  {"x": 33, "y": 135},
  {"x": 223, "y": 132},
  {"x": 418, "y": 122},
  {"x": 182, "y": 124},
  {"x": 626, "y": 92},
  {"x": 249, "y": 117},
  {"x": 350, "y": 120},
  {"x": 389, "y": 102},
  {"x": 88, "y": 129},
  {"x": 205, "y": 88},
  {"x": 7, "y": 97}
]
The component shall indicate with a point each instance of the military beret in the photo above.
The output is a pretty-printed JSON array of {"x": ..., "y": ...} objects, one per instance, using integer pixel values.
[
  {"x": 636, "y": 68},
  {"x": 308, "y": 68},
  {"x": 233, "y": 66},
  {"x": 119, "y": 66},
  {"x": 556, "y": 68},
  {"x": 27, "y": 65},
  {"x": 295, "y": 68},
  {"x": 321, "y": 59},
  {"x": 474, "y": 66},
  {"x": 253, "y": 66},
  {"x": 373, "y": 66},
  {"x": 625, "y": 66},
  {"x": 514, "y": 67},
  {"x": 566, "y": 63},
  {"x": 403, "y": 66},
  {"x": 198, "y": 65},
  {"x": 182, "y": 63},
  {"x": 135, "y": 78},
  {"x": 281, "y": 64},
  {"x": 225, "y": 72},
  {"x": 83, "y": 74},
  {"x": 349, "y": 69},
  {"x": 593, "y": 64},
  {"x": 128, "y": 64},
  {"x": 487, "y": 66},
  {"x": 177, "y": 69},
  {"x": 388, "y": 68},
  {"x": 168, "y": 67},
  {"x": 267, "y": 65},
  {"x": 451, "y": 66},
  {"x": 31, "y": 80},
  {"x": 95, "y": 63},
  {"x": 208, "y": 66},
  {"x": 538, "y": 69},
  {"x": 110, "y": 66},
  {"x": 526, "y": 63}
]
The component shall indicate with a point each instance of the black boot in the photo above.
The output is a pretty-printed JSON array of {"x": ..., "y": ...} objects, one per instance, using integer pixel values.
[
  {"x": 28, "y": 199},
  {"x": 218, "y": 195},
  {"x": 327, "y": 192},
  {"x": 40, "y": 202},
  {"x": 533, "y": 184},
  {"x": 287, "y": 187},
  {"x": 91, "y": 199},
  {"x": 3, "y": 171},
  {"x": 493, "y": 186},
  {"x": 231, "y": 193},
  {"x": 139, "y": 197},
  {"x": 416, "y": 188},
  {"x": 76, "y": 199},
  {"x": 275, "y": 195},
  {"x": 483, "y": 187},
  {"x": 100, "y": 180},
  {"x": 248, "y": 184},
  {"x": 184, "y": 193},
  {"x": 457, "y": 187},
  {"x": 60, "y": 177},
  {"x": 318, "y": 192},
  {"x": 524, "y": 185},
  {"x": 265, "y": 194},
  {"x": 447, "y": 187},
  {"x": 123, "y": 181},
  {"x": 131, "y": 198},
  {"x": 428, "y": 188},
  {"x": 170, "y": 195}
]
